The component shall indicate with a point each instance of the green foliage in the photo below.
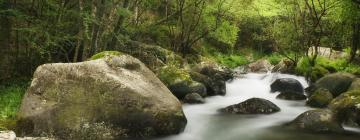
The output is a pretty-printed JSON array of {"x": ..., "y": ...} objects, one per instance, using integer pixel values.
[
  {"x": 105, "y": 53},
  {"x": 170, "y": 74},
  {"x": 10, "y": 100},
  {"x": 231, "y": 61},
  {"x": 312, "y": 73},
  {"x": 226, "y": 33},
  {"x": 274, "y": 58}
]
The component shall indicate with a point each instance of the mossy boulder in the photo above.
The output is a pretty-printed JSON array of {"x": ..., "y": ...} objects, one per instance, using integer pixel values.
[
  {"x": 347, "y": 106},
  {"x": 317, "y": 121},
  {"x": 355, "y": 85},
  {"x": 336, "y": 83},
  {"x": 252, "y": 106},
  {"x": 320, "y": 98},
  {"x": 116, "y": 95}
]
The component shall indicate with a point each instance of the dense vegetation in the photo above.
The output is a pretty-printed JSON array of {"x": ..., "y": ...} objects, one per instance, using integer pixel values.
[{"x": 231, "y": 32}]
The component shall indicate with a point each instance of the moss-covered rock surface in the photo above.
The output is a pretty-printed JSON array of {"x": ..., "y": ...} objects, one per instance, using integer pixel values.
[{"x": 117, "y": 96}]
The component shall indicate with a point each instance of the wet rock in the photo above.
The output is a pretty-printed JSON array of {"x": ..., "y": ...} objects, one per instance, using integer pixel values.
[
  {"x": 115, "y": 95},
  {"x": 193, "y": 98},
  {"x": 317, "y": 121},
  {"x": 213, "y": 85},
  {"x": 347, "y": 107},
  {"x": 182, "y": 88},
  {"x": 7, "y": 135},
  {"x": 320, "y": 98},
  {"x": 252, "y": 106},
  {"x": 288, "y": 95},
  {"x": 336, "y": 83},
  {"x": 260, "y": 66},
  {"x": 287, "y": 85}
]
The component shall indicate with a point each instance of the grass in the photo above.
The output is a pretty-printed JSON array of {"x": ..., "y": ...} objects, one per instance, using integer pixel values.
[
  {"x": 231, "y": 61},
  {"x": 10, "y": 100}
]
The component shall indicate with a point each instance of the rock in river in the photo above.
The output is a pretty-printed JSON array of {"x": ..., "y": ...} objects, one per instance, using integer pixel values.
[
  {"x": 317, "y": 121},
  {"x": 288, "y": 95},
  {"x": 115, "y": 95},
  {"x": 193, "y": 98},
  {"x": 252, "y": 106},
  {"x": 336, "y": 83},
  {"x": 288, "y": 85}
]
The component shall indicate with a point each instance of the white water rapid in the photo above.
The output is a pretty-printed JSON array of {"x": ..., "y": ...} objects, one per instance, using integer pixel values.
[{"x": 206, "y": 123}]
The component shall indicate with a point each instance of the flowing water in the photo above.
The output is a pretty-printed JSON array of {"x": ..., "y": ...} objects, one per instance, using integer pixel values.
[{"x": 206, "y": 123}]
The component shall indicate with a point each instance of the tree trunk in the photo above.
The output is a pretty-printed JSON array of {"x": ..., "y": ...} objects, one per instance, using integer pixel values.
[{"x": 355, "y": 41}]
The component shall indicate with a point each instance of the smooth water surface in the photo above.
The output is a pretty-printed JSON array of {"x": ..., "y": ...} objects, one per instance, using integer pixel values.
[{"x": 205, "y": 123}]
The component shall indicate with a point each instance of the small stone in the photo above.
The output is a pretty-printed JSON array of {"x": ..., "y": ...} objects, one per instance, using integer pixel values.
[
  {"x": 194, "y": 98},
  {"x": 252, "y": 106}
]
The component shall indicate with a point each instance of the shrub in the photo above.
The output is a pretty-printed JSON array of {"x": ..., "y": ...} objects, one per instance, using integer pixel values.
[{"x": 10, "y": 101}]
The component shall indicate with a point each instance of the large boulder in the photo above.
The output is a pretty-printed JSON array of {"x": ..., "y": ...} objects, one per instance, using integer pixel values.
[
  {"x": 317, "y": 121},
  {"x": 108, "y": 98},
  {"x": 213, "y": 85},
  {"x": 336, "y": 83},
  {"x": 320, "y": 98},
  {"x": 252, "y": 106},
  {"x": 287, "y": 85},
  {"x": 288, "y": 95},
  {"x": 284, "y": 66},
  {"x": 260, "y": 66},
  {"x": 347, "y": 106}
]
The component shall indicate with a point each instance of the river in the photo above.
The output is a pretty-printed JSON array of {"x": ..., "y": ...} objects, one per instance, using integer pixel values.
[{"x": 206, "y": 123}]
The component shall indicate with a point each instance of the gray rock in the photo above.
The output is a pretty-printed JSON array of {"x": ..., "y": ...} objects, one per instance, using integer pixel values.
[
  {"x": 213, "y": 85},
  {"x": 288, "y": 95},
  {"x": 260, "y": 66},
  {"x": 182, "y": 88},
  {"x": 284, "y": 66},
  {"x": 317, "y": 121},
  {"x": 287, "y": 85},
  {"x": 252, "y": 106},
  {"x": 116, "y": 95},
  {"x": 193, "y": 98}
]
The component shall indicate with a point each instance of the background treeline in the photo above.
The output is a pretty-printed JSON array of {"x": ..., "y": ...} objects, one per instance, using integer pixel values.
[{"x": 33, "y": 32}]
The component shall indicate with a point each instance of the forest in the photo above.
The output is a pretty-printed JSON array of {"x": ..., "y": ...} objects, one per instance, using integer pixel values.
[{"x": 150, "y": 69}]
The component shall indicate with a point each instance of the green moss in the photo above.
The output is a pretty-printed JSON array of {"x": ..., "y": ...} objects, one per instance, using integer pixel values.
[
  {"x": 170, "y": 74},
  {"x": 346, "y": 100},
  {"x": 320, "y": 98},
  {"x": 106, "y": 53}
]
